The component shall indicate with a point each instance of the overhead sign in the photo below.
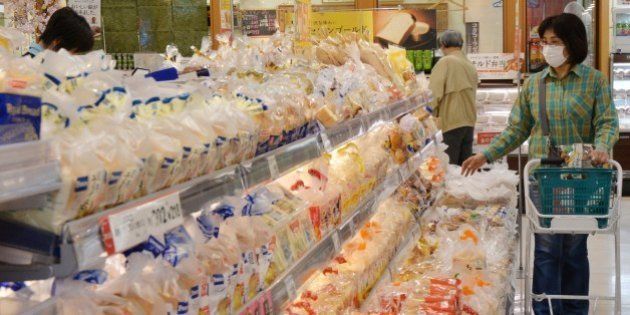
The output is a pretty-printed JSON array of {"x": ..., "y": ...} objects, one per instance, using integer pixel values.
[
  {"x": 495, "y": 66},
  {"x": 127, "y": 228},
  {"x": 90, "y": 10},
  {"x": 472, "y": 37},
  {"x": 326, "y": 23},
  {"x": 259, "y": 22}
]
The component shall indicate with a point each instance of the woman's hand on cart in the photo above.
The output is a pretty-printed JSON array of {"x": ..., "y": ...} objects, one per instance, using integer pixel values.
[
  {"x": 599, "y": 157},
  {"x": 473, "y": 164}
]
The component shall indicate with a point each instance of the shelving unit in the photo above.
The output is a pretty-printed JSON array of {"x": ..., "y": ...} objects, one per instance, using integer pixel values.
[
  {"x": 81, "y": 243},
  {"x": 284, "y": 286}
]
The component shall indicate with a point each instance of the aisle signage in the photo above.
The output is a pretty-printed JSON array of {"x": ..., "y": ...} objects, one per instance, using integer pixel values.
[
  {"x": 227, "y": 17},
  {"x": 326, "y": 23},
  {"x": 128, "y": 228},
  {"x": 472, "y": 37},
  {"x": 89, "y": 9},
  {"x": 259, "y": 22},
  {"x": 495, "y": 66},
  {"x": 323, "y": 24}
]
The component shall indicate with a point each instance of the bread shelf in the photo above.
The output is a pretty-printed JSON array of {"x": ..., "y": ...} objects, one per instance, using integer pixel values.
[
  {"x": 80, "y": 244},
  {"x": 325, "y": 249},
  {"x": 27, "y": 171}
]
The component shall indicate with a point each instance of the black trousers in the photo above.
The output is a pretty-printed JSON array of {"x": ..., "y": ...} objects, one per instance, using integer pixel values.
[{"x": 460, "y": 144}]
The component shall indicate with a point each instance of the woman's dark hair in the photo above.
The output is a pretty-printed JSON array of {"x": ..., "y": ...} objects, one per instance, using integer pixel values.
[
  {"x": 571, "y": 30},
  {"x": 70, "y": 30}
]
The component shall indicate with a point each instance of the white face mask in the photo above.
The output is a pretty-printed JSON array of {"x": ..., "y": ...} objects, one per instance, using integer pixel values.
[{"x": 554, "y": 55}]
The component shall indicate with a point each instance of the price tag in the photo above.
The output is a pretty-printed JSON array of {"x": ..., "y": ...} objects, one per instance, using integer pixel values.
[
  {"x": 335, "y": 239},
  {"x": 133, "y": 226},
  {"x": 326, "y": 141},
  {"x": 289, "y": 284},
  {"x": 273, "y": 166},
  {"x": 353, "y": 228}
]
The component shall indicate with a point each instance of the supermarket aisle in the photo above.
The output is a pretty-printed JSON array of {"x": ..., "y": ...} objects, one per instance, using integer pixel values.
[{"x": 601, "y": 255}]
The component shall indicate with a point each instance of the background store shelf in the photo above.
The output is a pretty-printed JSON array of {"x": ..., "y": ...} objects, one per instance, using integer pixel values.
[{"x": 84, "y": 235}]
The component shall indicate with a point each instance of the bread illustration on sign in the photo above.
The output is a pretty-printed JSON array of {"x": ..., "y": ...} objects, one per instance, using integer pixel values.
[
  {"x": 419, "y": 29},
  {"x": 400, "y": 26}
]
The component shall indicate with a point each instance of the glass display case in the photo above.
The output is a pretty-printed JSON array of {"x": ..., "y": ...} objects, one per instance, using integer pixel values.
[
  {"x": 493, "y": 110},
  {"x": 620, "y": 81},
  {"x": 621, "y": 33}
]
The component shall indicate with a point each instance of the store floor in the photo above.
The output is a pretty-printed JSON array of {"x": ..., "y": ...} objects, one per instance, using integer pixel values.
[{"x": 601, "y": 256}]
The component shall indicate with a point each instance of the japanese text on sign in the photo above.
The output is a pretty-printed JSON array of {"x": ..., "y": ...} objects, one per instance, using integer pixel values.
[
  {"x": 130, "y": 227},
  {"x": 89, "y": 9},
  {"x": 259, "y": 22},
  {"x": 495, "y": 66},
  {"x": 326, "y": 23}
]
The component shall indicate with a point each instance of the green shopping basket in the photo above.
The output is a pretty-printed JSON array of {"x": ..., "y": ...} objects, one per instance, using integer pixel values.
[{"x": 573, "y": 191}]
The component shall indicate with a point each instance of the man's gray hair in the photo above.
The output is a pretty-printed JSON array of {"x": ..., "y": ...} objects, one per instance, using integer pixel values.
[{"x": 451, "y": 38}]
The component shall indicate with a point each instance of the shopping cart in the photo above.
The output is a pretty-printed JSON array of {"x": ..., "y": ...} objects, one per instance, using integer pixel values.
[{"x": 571, "y": 201}]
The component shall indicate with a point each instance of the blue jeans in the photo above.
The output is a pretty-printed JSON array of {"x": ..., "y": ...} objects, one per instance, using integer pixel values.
[{"x": 561, "y": 267}]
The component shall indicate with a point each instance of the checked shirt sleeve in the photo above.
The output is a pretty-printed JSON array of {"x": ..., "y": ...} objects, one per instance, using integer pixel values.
[{"x": 605, "y": 118}]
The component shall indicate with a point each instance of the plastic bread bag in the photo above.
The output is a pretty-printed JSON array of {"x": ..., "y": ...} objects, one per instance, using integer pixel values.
[
  {"x": 495, "y": 186},
  {"x": 170, "y": 287},
  {"x": 210, "y": 155},
  {"x": 213, "y": 216},
  {"x": 246, "y": 137},
  {"x": 324, "y": 293},
  {"x": 57, "y": 108},
  {"x": 139, "y": 286},
  {"x": 58, "y": 67},
  {"x": 251, "y": 232},
  {"x": 12, "y": 39},
  {"x": 347, "y": 170},
  {"x": 162, "y": 155},
  {"x": 82, "y": 290},
  {"x": 378, "y": 145},
  {"x": 165, "y": 162},
  {"x": 82, "y": 189},
  {"x": 413, "y": 133},
  {"x": 201, "y": 159},
  {"x": 226, "y": 132},
  {"x": 19, "y": 297},
  {"x": 124, "y": 168},
  {"x": 192, "y": 147},
  {"x": 97, "y": 61},
  {"x": 131, "y": 137}
]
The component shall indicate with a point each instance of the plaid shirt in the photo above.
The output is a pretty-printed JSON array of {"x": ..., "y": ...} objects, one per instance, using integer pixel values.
[{"x": 579, "y": 107}]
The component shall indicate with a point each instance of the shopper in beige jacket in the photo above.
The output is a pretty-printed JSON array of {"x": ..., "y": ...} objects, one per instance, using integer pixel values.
[{"x": 454, "y": 85}]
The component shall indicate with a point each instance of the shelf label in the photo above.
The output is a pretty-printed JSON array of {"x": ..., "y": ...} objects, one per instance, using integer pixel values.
[
  {"x": 289, "y": 284},
  {"x": 273, "y": 166},
  {"x": 335, "y": 239},
  {"x": 128, "y": 228},
  {"x": 353, "y": 228},
  {"x": 326, "y": 142}
]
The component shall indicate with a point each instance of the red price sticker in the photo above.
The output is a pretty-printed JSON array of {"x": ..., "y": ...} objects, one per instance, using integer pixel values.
[
  {"x": 130, "y": 227},
  {"x": 486, "y": 137}
]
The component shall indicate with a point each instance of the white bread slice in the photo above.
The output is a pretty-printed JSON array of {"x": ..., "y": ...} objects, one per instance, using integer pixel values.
[
  {"x": 419, "y": 29},
  {"x": 397, "y": 28}
]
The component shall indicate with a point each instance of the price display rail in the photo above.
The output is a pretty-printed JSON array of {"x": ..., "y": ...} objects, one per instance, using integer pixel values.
[{"x": 84, "y": 241}]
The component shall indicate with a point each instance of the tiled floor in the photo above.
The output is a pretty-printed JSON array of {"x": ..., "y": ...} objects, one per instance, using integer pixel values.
[{"x": 601, "y": 256}]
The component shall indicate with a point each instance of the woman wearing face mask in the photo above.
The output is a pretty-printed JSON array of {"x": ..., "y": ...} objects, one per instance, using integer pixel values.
[
  {"x": 579, "y": 110},
  {"x": 65, "y": 29}
]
